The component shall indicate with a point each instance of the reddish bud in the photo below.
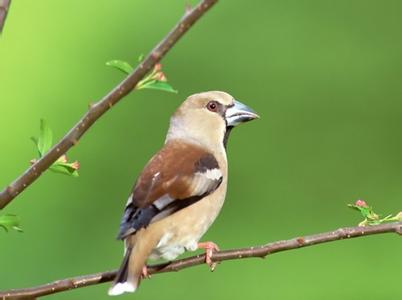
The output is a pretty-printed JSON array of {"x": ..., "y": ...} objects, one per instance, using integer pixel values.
[
  {"x": 161, "y": 77},
  {"x": 361, "y": 203},
  {"x": 75, "y": 165},
  {"x": 63, "y": 158},
  {"x": 188, "y": 8},
  {"x": 157, "y": 68}
]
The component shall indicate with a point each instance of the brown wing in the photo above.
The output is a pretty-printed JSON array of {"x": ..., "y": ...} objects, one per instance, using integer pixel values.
[{"x": 177, "y": 176}]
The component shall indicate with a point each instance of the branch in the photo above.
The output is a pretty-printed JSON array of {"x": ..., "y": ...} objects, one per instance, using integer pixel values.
[
  {"x": 98, "y": 109},
  {"x": 4, "y": 7},
  {"x": 257, "y": 251}
]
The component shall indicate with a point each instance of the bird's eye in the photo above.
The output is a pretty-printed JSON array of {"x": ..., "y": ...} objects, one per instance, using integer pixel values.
[{"x": 212, "y": 106}]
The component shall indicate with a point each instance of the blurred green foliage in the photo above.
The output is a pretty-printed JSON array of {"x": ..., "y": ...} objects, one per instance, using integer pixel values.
[
  {"x": 325, "y": 77},
  {"x": 10, "y": 221}
]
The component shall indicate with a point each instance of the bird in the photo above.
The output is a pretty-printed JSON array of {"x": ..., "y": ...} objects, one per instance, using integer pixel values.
[{"x": 181, "y": 189}]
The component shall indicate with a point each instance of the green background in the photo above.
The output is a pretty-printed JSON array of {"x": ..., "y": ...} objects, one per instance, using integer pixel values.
[{"x": 325, "y": 76}]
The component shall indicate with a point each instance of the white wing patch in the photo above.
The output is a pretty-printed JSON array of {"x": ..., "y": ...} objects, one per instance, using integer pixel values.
[
  {"x": 202, "y": 182},
  {"x": 212, "y": 174},
  {"x": 163, "y": 201}
]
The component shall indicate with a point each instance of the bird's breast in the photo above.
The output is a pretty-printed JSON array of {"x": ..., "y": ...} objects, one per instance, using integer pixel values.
[{"x": 182, "y": 230}]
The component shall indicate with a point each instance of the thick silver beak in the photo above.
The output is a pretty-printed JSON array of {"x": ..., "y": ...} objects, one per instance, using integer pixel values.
[{"x": 239, "y": 113}]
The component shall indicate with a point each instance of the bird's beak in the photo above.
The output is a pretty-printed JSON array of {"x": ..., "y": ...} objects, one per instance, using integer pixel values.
[{"x": 239, "y": 113}]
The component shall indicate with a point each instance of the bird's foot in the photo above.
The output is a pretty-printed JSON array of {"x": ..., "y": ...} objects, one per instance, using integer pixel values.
[
  {"x": 144, "y": 273},
  {"x": 209, "y": 248}
]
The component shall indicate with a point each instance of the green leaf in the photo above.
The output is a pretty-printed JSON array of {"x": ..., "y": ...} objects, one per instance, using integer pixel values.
[
  {"x": 120, "y": 65},
  {"x": 35, "y": 141},
  {"x": 44, "y": 142},
  {"x": 141, "y": 57},
  {"x": 9, "y": 221},
  {"x": 364, "y": 210},
  {"x": 64, "y": 168},
  {"x": 370, "y": 217},
  {"x": 158, "y": 85}
]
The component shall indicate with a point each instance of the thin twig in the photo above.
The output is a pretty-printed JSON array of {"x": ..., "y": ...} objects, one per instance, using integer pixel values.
[
  {"x": 4, "y": 8},
  {"x": 98, "y": 109},
  {"x": 258, "y": 251}
]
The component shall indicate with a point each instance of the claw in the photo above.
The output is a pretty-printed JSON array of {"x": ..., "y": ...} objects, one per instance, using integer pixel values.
[
  {"x": 144, "y": 273},
  {"x": 210, "y": 248}
]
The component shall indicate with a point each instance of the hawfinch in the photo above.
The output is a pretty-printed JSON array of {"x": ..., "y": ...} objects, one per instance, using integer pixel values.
[{"x": 181, "y": 189}]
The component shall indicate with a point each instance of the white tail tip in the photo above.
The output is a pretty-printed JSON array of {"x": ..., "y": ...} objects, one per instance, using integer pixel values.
[{"x": 120, "y": 288}]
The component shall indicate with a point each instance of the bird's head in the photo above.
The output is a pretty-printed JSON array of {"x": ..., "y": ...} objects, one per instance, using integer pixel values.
[{"x": 207, "y": 118}]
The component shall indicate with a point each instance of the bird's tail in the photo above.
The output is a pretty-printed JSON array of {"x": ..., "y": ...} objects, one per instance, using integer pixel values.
[
  {"x": 121, "y": 283},
  {"x": 129, "y": 275}
]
